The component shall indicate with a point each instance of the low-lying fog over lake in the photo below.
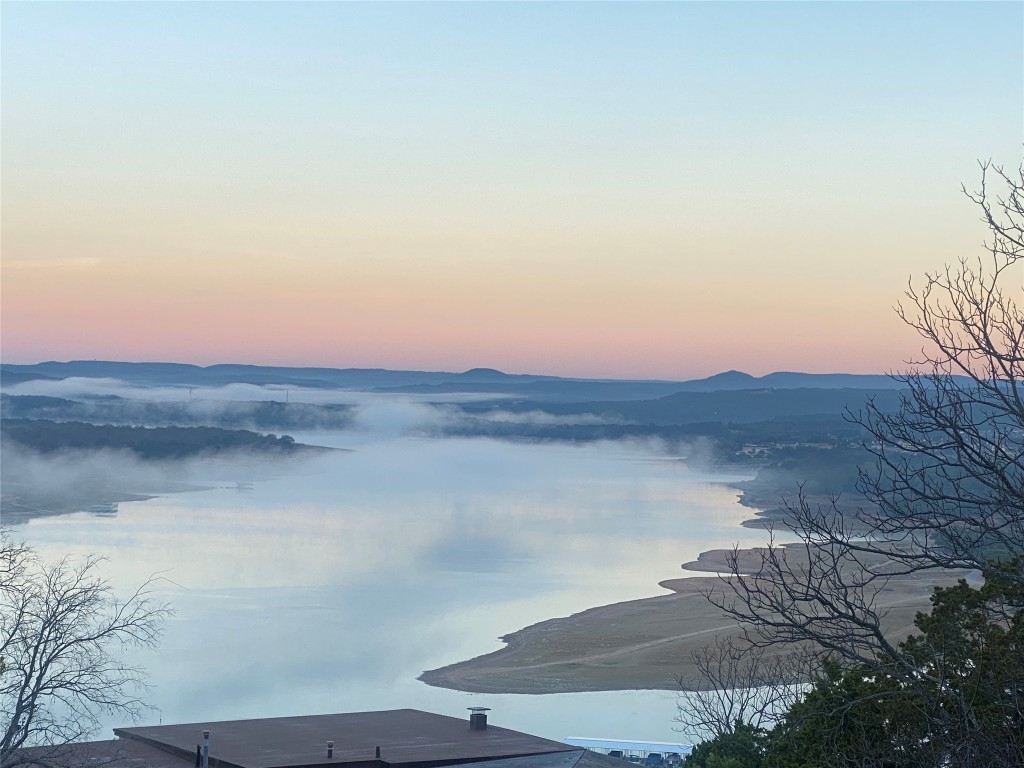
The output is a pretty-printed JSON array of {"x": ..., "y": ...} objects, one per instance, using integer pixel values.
[{"x": 330, "y": 583}]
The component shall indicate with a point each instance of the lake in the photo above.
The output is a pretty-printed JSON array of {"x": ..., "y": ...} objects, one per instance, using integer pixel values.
[{"x": 331, "y": 586}]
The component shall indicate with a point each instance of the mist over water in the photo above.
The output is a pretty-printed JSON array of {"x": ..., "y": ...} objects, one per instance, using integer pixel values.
[
  {"x": 79, "y": 387},
  {"x": 330, "y": 585}
]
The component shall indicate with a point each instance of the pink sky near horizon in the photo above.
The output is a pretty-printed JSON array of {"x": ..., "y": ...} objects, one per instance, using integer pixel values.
[
  {"x": 616, "y": 190},
  {"x": 652, "y": 317},
  {"x": 595, "y": 336}
]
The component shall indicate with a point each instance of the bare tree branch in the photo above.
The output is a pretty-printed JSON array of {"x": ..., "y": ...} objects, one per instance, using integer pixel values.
[
  {"x": 738, "y": 681},
  {"x": 61, "y": 631},
  {"x": 946, "y": 492}
]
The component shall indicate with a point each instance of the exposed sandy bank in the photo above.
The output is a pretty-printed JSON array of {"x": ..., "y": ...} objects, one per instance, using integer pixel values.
[{"x": 637, "y": 644}]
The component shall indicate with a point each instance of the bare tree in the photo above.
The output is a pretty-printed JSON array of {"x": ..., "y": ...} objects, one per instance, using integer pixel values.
[
  {"x": 61, "y": 633},
  {"x": 949, "y": 479},
  {"x": 737, "y": 681},
  {"x": 947, "y": 488}
]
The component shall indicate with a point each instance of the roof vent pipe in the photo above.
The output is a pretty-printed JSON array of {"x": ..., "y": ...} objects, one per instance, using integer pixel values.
[
  {"x": 478, "y": 718},
  {"x": 330, "y": 749},
  {"x": 206, "y": 749}
]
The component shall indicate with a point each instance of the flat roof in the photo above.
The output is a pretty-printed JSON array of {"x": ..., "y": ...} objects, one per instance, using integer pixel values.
[
  {"x": 405, "y": 736},
  {"x": 111, "y": 753},
  {"x": 127, "y": 753}
]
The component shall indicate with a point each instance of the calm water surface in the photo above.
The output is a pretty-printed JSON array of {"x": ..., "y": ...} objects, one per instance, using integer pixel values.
[{"x": 331, "y": 587}]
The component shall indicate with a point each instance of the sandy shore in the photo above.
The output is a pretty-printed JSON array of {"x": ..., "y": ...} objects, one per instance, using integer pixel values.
[{"x": 640, "y": 643}]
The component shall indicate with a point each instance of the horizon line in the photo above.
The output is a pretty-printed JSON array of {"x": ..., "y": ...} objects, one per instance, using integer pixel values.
[{"x": 733, "y": 371}]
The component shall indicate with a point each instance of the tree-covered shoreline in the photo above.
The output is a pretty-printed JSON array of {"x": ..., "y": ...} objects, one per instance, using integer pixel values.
[{"x": 151, "y": 443}]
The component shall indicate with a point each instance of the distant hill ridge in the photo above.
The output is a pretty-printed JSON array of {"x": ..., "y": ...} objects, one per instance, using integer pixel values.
[
  {"x": 790, "y": 380},
  {"x": 485, "y": 380}
]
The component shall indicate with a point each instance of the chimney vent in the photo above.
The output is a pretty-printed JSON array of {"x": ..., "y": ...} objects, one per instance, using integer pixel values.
[
  {"x": 206, "y": 749},
  {"x": 330, "y": 749},
  {"x": 377, "y": 753},
  {"x": 478, "y": 718}
]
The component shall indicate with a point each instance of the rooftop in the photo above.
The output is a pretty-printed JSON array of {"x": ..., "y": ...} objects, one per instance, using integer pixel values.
[{"x": 405, "y": 737}]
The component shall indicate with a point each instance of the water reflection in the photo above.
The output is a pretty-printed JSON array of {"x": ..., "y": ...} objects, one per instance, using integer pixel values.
[{"x": 331, "y": 589}]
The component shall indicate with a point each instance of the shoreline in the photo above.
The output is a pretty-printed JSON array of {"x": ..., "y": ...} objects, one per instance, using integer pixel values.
[
  {"x": 639, "y": 644},
  {"x": 645, "y": 644}
]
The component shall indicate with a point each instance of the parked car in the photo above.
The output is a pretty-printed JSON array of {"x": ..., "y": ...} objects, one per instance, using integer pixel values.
[
  {"x": 616, "y": 753},
  {"x": 654, "y": 760}
]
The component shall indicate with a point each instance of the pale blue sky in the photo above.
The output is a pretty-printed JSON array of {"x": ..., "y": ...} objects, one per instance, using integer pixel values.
[{"x": 599, "y": 172}]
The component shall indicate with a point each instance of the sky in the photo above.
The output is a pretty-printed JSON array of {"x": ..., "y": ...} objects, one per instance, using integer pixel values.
[{"x": 628, "y": 190}]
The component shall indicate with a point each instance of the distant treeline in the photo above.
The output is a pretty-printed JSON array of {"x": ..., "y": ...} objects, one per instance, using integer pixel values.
[
  {"x": 729, "y": 407},
  {"x": 732, "y": 441},
  {"x": 45, "y": 436},
  {"x": 821, "y": 454},
  {"x": 237, "y": 414}
]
